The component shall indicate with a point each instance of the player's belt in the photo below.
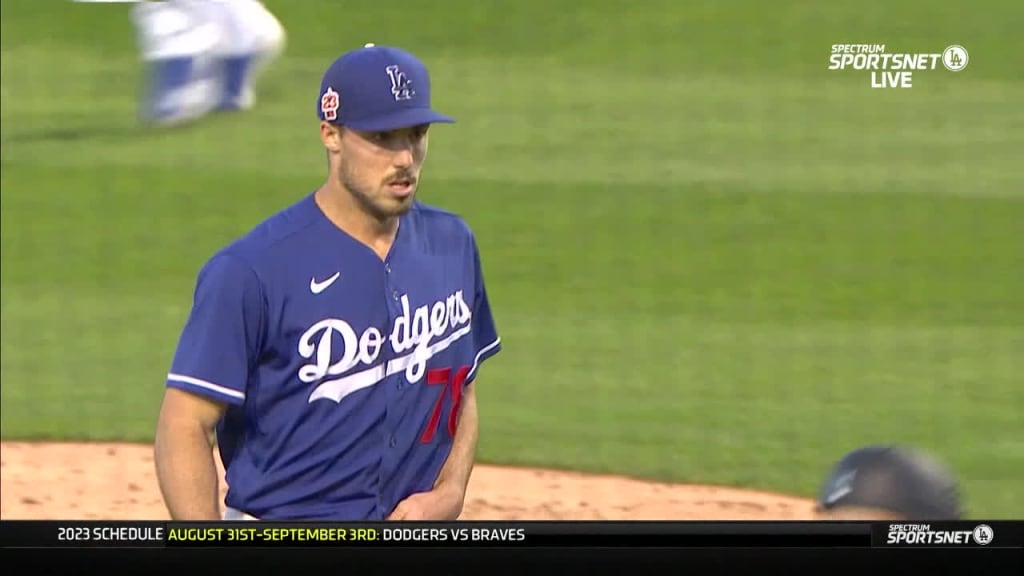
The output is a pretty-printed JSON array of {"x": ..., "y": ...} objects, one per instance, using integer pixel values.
[{"x": 232, "y": 514}]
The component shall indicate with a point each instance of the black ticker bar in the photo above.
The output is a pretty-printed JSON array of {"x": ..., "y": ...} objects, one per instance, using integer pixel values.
[{"x": 79, "y": 534}]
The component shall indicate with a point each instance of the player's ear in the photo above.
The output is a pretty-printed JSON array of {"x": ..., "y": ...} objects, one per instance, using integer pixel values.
[{"x": 330, "y": 136}]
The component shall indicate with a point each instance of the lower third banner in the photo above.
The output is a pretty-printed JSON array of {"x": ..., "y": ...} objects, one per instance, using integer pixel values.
[{"x": 48, "y": 534}]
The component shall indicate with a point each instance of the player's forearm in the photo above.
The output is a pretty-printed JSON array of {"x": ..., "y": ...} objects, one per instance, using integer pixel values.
[
  {"x": 459, "y": 465},
  {"x": 186, "y": 472}
]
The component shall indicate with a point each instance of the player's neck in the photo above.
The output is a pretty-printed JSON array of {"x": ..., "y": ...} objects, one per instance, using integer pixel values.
[{"x": 346, "y": 214}]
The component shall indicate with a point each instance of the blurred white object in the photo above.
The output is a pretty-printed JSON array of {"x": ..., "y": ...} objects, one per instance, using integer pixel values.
[
  {"x": 203, "y": 55},
  {"x": 260, "y": 37}
]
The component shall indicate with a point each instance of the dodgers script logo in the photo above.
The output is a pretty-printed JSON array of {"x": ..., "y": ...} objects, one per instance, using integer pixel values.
[
  {"x": 410, "y": 339},
  {"x": 401, "y": 86}
]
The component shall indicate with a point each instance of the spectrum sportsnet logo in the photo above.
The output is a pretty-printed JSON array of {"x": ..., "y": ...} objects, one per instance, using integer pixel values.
[
  {"x": 923, "y": 535},
  {"x": 894, "y": 69}
]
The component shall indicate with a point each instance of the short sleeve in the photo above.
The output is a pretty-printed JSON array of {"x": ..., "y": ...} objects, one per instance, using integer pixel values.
[
  {"x": 485, "y": 334},
  {"x": 221, "y": 338}
]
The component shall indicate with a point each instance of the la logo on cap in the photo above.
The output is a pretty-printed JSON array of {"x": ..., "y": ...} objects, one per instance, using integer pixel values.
[{"x": 329, "y": 104}]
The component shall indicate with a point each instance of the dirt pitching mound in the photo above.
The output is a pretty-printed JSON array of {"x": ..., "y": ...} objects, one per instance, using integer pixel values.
[{"x": 116, "y": 481}]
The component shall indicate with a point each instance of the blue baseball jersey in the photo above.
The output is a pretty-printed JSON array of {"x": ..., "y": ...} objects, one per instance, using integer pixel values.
[{"x": 343, "y": 373}]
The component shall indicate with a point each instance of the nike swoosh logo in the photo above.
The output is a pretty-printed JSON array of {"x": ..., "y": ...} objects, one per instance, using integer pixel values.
[{"x": 318, "y": 287}]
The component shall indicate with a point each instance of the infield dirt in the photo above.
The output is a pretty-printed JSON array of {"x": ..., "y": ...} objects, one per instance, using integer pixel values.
[{"x": 46, "y": 480}]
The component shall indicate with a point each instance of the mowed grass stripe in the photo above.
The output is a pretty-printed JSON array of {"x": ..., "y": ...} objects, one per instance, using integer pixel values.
[
  {"x": 523, "y": 121},
  {"x": 705, "y": 252}
]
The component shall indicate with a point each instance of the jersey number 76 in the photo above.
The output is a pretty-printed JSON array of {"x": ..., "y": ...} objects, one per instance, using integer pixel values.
[{"x": 443, "y": 376}]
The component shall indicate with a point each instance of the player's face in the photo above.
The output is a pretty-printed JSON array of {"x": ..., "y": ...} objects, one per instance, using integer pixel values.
[{"x": 381, "y": 169}]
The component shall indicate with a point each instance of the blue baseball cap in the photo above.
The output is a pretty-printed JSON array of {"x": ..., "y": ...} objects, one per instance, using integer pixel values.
[{"x": 377, "y": 89}]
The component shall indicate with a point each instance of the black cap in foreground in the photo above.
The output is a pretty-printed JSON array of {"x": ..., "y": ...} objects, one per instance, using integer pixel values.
[{"x": 899, "y": 479}]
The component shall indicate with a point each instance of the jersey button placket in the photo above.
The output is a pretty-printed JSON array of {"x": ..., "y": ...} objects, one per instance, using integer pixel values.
[
  {"x": 387, "y": 465},
  {"x": 396, "y": 310},
  {"x": 396, "y": 296}
]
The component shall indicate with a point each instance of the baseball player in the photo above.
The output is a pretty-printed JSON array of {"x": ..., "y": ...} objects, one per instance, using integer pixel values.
[
  {"x": 334, "y": 349},
  {"x": 203, "y": 56},
  {"x": 889, "y": 483}
]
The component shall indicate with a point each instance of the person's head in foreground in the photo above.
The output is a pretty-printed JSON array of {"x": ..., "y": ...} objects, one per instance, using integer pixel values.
[
  {"x": 374, "y": 109},
  {"x": 883, "y": 482}
]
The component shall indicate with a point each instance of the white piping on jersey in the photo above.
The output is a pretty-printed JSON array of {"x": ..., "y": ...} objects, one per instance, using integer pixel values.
[
  {"x": 337, "y": 389},
  {"x": 476, "y": 361},
  {"x": 204, "y": 384}
]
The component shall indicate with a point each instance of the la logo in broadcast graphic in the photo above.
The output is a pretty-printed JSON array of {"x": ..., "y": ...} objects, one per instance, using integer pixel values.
[{"x": 894, "y": 69}]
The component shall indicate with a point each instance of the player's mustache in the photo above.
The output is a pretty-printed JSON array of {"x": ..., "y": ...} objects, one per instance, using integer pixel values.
[{"x": 402, "y": 177}]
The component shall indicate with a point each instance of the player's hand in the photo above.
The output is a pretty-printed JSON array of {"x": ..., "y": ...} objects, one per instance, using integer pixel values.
[{"x": 441, "y": 503}]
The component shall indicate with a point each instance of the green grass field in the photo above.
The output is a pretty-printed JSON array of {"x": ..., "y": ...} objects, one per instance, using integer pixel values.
[{"x": 710, "y": 259}]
